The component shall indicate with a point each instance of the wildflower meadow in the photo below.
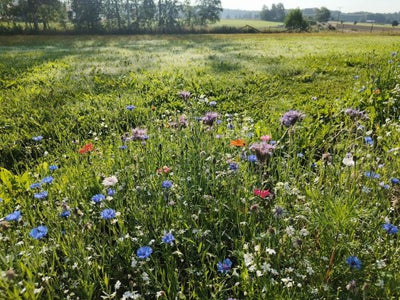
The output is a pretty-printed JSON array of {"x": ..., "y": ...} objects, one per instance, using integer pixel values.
[{"x": 200, "y": 167}]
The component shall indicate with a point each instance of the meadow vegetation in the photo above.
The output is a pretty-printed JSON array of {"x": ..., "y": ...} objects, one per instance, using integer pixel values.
[{"x": 143, "y": 167}]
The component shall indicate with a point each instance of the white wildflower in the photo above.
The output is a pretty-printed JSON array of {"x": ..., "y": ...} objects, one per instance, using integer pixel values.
[
  {"x": 348, "y": 160},
  {"x": 110, "y": 181}
]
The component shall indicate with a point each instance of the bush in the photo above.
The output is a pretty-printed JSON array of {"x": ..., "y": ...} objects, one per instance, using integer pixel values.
[{"x": 295, "y": 21}]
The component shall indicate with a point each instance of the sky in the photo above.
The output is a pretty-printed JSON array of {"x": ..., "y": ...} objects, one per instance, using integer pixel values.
[{"x": 378, "y": 6}]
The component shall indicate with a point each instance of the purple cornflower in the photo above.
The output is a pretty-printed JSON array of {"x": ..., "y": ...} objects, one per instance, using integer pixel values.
[
  {"x": 47, "y": 180},
  {"x": 233, "y": 166},
  {"x": 395, "y": 180},
  {"x": 65, "y": 214},
  {"x": 390, "y": 229},
  {"x": 354, "y": 262},
  {"x": 184, "y": 95},
  {"x": 139, "y": 134},
  {"x": 37, "y": 138},
  {"x": 35, "y": 185},
  {"x": 15, "y": 216},
  {"x": 168, "y": 238},
  {"x": 108, "y": 214},
  {"x": 209, "y": 118},
  {"x": 262, "y": 150},
  {"x": 224, "y": 266},
  {"x": 252, "y": 158},
  {"x": 110, "y": 192},
  {"x": 183, "y": 121},
  {"x": 291, "y": 117},
  {"x": 368, "y": 140},
  {"x": 372, "y": 174},
  {"x": 144, "y": 252},
  {"x": 41, "y": 195},
  {"x": 356, "y": 114},
  {"x": 167, "y": 184},
  {"x": 38, "y": 232},
  {"x": 98, "y": 198}
]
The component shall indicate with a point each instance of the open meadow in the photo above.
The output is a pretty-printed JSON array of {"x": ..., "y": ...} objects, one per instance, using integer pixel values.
[{"x": 200, "y": 167}]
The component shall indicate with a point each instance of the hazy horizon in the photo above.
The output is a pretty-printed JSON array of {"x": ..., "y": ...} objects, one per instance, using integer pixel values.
[{"x": 383, "y": 6}]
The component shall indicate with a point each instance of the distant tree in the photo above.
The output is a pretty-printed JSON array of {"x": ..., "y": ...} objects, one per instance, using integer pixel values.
[
  {"x": 322, "y": 14},
  {"x": 5, "y": 10},
  {"x": 208, "y": 11},
  {"x": 87, "y": 14},
  {"x": 188, "y": 13},
  {"x": 295, "y": 21},
  {"x": 395, "y": 23},
  {"x": 147, "y": 13},
  {"x": 276, "y": 13}
]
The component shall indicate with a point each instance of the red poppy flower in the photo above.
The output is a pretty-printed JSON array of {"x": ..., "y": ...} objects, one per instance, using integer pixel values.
[
  {"x": 262, "y": 193},
  {"x": 86, "y": 148}
]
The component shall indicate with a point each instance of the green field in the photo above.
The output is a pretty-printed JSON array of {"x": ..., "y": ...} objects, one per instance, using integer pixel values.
[{"x": 106, "y": 141}]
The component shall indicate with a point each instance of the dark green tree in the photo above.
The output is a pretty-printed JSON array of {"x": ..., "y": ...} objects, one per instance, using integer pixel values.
[
  {"x": 395, "y": 23},
  {"x": 147, "y": 13},
  {"x": 208, "y": 11},
  {"x": 87, "y": 14},
  {"x": 295, "y": 21},
  {"x": 322, "y": 14},
  {"x": 278, "y": 12}
]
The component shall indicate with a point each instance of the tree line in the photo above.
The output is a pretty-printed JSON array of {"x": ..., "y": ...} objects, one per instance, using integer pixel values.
[
  {"x": 277, "y": 13},
  {"x": 111, "y": 15}
]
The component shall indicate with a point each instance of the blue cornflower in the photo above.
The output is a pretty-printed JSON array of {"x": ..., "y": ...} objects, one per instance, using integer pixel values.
[
  {"x": 37, "y": 138},
  {"x": 300, "y": 155},
  {"x": 123, "y": 147},
  {"x": 356, "y": 77},
  {"x": 219, "y": 121},
  {"x": 372, "y": 174},
  {"x": 224, "y": 266},
  {"x": 354, "y": 262},
  {"x": 38, "y": 232},
  {"x": 313, "y": 165},
  {"x": 368, "y": 140},
  {"x": 48, "y": 179},
  {"x": 252, "y": 158},
  {"x": 272, "y": 142},
  {"x": 384, "y": 185},
  {"x": 35, "y": 185},
  {"x": 110, "y": 192},
  {"x": 98, "y": 198},
  {"x": 144, "y": 252},
  {"x": 233, "y": 166},
  {"x": 168, "y": 238},
  {"x": 130, "y": 107},
  {"x": 15, "y": 216},
  {"x": 65, "y": 214},
  {"x": 108, "y": 214},
  {"x": 395, "y": 180},
  {"x": 213, "y": 103},
  {"x": 41, "y": 195},
  {"x": 390, "y": 229},
  {"x": 167, "y": 184},
  {"x": 53, "y": 168},
  {"x": 231, "y": 126}
]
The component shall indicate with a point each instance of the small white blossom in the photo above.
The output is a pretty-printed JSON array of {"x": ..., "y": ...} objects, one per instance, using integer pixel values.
[{"x": 110, "y": 181}]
